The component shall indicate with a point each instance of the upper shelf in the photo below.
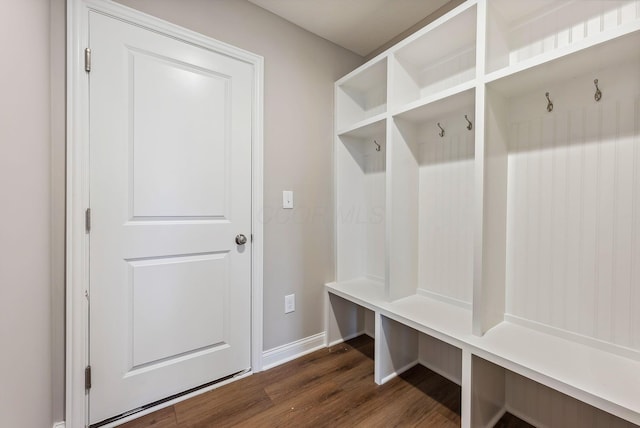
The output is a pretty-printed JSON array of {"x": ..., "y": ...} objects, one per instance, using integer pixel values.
[
  {"x": 362, "y": 94},
  {"x": 541, "y": 72},
  {"x": 434, "y": 61},
  {"x": 524, "y": 33}
]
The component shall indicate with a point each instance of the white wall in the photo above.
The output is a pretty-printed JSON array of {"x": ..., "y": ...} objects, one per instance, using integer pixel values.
[
  {"x": 300, "y": 69},
  {"x": 25, "y": 296}
]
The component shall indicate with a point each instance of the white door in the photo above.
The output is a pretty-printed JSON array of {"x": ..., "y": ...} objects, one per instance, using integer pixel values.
[{"x": 170, "y": 188}]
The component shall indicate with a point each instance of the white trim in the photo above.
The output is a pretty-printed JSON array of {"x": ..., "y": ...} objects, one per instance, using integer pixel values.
[
  {"x": 58, "y": 424},
  {"x": 441, "y": 372},
  {"x": 497, "y": 417},
  {"x": 290, "y": 351},
  {"x": 349, "y": 337},
  {"x": 398, "y": 372},
  {"x": 76, "y": 407},
  {"x": 528, "y": 419},
  {"x": 442, "y": 298},
  {"x": 574, "y": 337}
]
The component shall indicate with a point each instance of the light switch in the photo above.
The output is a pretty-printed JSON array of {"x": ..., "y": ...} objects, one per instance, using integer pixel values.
[{"x": 287, "y": 199}]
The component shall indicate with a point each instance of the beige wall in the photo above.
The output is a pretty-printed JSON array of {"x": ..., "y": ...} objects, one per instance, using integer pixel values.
[
  {"x": 300, "y": 69},
  {"x": 25, "y": 226}
]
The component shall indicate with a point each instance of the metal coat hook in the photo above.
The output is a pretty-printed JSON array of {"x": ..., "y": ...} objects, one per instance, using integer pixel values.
[
  {"x": 549, "y": 104},
  {"x": 441, "y": 133},
  {"x": 470, "y": 125},
  {"x": 598, "y": 94},
  {"x": 377, "y": 145}
]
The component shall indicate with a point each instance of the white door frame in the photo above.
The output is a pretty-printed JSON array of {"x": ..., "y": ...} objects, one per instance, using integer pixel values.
[{"x": 77, "y": 188}]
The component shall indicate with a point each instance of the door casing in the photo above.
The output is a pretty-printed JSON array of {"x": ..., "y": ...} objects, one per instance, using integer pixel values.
[{"x": 77, "y": 189}]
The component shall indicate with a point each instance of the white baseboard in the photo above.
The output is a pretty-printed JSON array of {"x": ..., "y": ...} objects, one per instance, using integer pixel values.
[
  {"x": 290, "y": 351},
  {"x": 58, "y": 424},
  {"x": 398, "y": 372},
  {"x": 526, "y": 418},
  {"x": 497, "y": 417},
  {"x": 351, "y": 336},
  {"x": 441, "y": 372},
  {"x": 575, "y": 337}
]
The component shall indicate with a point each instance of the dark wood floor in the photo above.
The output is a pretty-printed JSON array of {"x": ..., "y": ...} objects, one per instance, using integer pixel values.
[{"x": 332, "y": 387}]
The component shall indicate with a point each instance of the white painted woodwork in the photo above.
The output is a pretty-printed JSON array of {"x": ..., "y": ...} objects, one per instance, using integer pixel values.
[
  {"x": 433, "y": 61},
  {"x": 488, "y": 393},
  {"x": 396, "y": 349},
  {"x": 491, "y": 200},
  {"x": 513, "y": 244},
  {"x": 362, "y": 96},
  {"x": 344, "y": 319},
  {"x": 442, "y": 358},
  {"x": 442, "y": 171},
  {"x": 170, "y": 187},
  {"x": 573, "y": 199},
  {"x": 600, "y": 378},
  {"x": 496, "y": 390},
  {"x": 520, "y": 31},
  {"x": 360, "y": 203},
  {"x": 544, "y": 407}
]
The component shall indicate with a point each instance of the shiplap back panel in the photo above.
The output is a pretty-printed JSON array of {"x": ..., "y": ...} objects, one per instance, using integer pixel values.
[
  {"x": 573, "y": 215},
  {"x": 375, "y": 194},
  {"x": 446, "y": 208},
  {"x": 360, "y": 208},
  {"x": 544, "y": 407}
]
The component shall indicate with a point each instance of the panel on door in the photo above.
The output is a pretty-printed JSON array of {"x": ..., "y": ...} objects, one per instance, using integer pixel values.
[{"x": 170, "y": 188}]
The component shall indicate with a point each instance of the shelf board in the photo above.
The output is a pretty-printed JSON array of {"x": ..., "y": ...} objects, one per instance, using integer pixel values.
[
  {"x": 366, "y": 128},
  {"x": 442, "y": 103},
  {"x": 447, "y": 322},
  {"x": 562, "y": 64},
  {"x": 362, "y": 291},
  {"x": 418, "y": 49},
  {"x": 366, "y": 76},
  {"x": 599, "y": 378}
]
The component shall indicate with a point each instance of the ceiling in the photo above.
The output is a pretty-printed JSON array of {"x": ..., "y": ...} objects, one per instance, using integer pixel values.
[{"x": 360, "y": 26}]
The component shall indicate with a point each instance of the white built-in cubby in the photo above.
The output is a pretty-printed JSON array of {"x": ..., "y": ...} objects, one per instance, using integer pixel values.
[
  {"x": 360, "y": 159},
  {"x": 432, "y": 199},
  {"x": 362, "y": 97},
  {"x": 431, "y": 64},
  {"x": 487, "y": 182}
]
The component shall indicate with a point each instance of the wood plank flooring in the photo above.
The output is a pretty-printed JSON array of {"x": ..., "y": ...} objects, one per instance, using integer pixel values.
[{"x": 332, "y": 387}]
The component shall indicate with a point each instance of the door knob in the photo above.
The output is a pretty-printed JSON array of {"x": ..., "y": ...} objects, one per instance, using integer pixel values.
[{"x": 241, "y": 239}]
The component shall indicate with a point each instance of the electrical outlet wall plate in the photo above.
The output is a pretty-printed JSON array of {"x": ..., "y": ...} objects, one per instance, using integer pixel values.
[
  {"x": 289, "y": 303},
  {"x": 287, "y": 199}
]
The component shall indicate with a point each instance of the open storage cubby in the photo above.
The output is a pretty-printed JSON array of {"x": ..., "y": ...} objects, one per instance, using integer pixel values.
[
  {"x": 360, "y": 203},
  {"x": 432, "y": 61},
  {"x": 517, "y": 241},
  {"x": 498, "y": 390},
  {"x": 432, "y": 199},
  {"x": 347, "y": 320},
  {"x": 525, "y": 32},
  {"x": 400, "y": 348},
  {"x": 572, "y": 196},
  {"x": 361, "y": 96}
]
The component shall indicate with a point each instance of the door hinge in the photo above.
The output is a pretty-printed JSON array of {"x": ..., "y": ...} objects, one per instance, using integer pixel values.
[
  {"x": 87, "y": 220},
  {"x": 252, "y": 237},
  {"x": 87, "y": 60},
  {"x": 87, "y": 378}
]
